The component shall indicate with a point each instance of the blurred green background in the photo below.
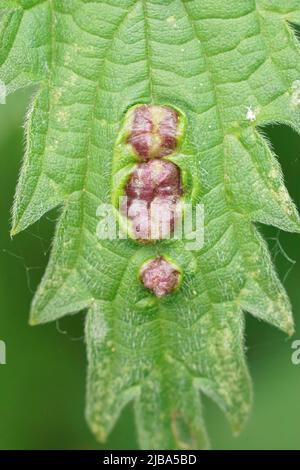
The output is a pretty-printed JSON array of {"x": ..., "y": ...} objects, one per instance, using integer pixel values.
[{"x": 42, "y": 386}]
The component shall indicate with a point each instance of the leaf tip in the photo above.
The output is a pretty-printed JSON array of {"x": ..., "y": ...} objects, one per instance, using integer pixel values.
[
  {"x": 14, "y": 231},
  {"x": 288, "y": 326},
  {"x": 32, "y": 321},
  {"x": 98, "y": 431},
  {"x": 16, "y": 227},
  {"x": 34, "y": 318},
  {"x": 290, "y": 330}
]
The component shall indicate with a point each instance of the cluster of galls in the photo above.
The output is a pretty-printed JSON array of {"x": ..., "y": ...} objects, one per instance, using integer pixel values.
[{"x": 153, "y": 191}]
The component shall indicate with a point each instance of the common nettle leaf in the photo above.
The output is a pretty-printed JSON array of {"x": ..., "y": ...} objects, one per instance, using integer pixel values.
[{"x": 229, "y": 67}]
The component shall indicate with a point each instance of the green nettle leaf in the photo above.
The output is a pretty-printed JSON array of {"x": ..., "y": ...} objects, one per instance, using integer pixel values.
[{"x": 229, "y": 67}]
